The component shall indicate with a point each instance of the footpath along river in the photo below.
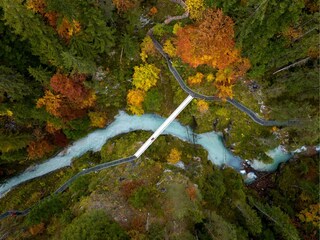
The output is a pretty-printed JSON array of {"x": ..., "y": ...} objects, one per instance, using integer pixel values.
[{"x": 124, "y": 123}]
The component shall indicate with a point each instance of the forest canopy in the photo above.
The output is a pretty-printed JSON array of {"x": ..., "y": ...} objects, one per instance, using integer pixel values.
[{"x": 68, "y": 67}]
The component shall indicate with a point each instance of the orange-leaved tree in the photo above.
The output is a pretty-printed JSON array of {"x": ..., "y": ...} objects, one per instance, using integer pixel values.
[
  {"x": 207, "y": 42},
  {"x": 72, "y": 87},
  {"x": 38, "y": 149},
  {"x": 59, "y": 106},
  {"x": 65, "y": 28},
  {"x": 70, "y": 98},
  {"x": 211, "y": 42},
  {"x": 192, "y": 192},
  {"x": 37, "y": 229},
  {"x": 153, "y": 11},
  {"x": 186, "y": 49},
  {"x": 52, "y": 127}
]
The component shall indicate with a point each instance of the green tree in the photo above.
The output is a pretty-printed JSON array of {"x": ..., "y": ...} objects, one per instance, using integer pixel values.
[
  {"x": 280, "y": 221},
  {"x": 253, "y": 222},
  {"x": 77, "y": 128},
  {"x": 295, "y": 95},
  {"x": 212, "y": 187},
  {"x": 251, "y": 140},
  {"x": 13, "y": 142},
  {"x": 13, "y": 85},
  {"x": 233, "y": 181},
  {"x": 182, "y": 207},
  {"x": 79, "y": 53},
  {"x": 130, "y": 46},
  {"x": 153, "y": 100},
  {"x": 45, "y": 210},
  {"x": 15, "y": 52},
  {"x": 218, "y": 228},
  {"x": 31, "y": 27},
  {"x": 79, "y": 188},
  {"x": 258, "y": 34},
  {"x": 94, "y": 225},
  {"x": 141, "y": 197},
  {"x": 40, "y": 74}
]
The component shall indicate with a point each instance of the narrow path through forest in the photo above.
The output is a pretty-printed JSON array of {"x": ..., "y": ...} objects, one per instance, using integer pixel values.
[
  {"x": 194, "y": 94},
  {"x": 68, "y": 183}
]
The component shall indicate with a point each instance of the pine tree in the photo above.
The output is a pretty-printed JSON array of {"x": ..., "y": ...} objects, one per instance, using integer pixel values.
[
  {"x": 279, "y": 220},
  {"x": 83, "y": 26},
  {"x": 13, "y": 86}
]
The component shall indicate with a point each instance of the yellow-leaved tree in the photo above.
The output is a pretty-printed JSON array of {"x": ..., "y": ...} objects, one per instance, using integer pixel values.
[
  {"x": 210, "y": 77},
  {"x": 224, "y": 83},
  {"x": 195, "y": 8},
  {"x": 196, "y": 79},
  {"x": 147, "y": 48},
  {"x": 135, "y": 99},
  {"x": 98, "y": 119},
  {"x": 145, "y": 76},
  {"x": 174, "y": 156},
  {"x": 37, "y": 6},
  {"x": 176, "y": 28},
  {"x": 52, "y": 103},
  {"x": 202, "y": 106},
  {"x": 169, "y": 48}
]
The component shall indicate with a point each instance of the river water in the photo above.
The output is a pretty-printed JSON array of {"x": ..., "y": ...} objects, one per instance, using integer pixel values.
[{"x": 124, "y": 123}]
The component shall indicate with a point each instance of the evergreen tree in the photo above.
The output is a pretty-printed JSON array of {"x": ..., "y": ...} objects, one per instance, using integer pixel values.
[
  {"x": 79, "y": 51},
  {"x": 13, "y": 86},
  {"x": 252, "y": 221},
  {"x": 280, "y": 221},
  {"x": 294, "y": 94},
  {"x": 259, "y": 32},
  {"x": 218, "y": 228},
  {"x": 13, "y": 142}
]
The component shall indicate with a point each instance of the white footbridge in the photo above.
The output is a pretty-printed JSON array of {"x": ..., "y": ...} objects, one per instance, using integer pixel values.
[{"x": 163, "y": 126}]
